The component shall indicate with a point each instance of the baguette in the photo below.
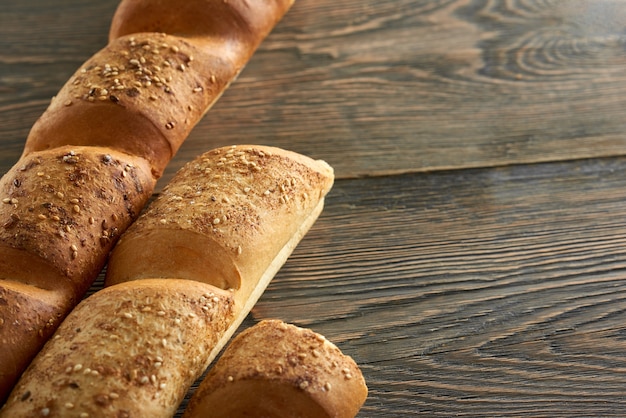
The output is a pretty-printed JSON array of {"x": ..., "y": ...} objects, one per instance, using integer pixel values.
[
  {"x": 230, "y": 218},
  {"x": 265, "y": 198},
  {"x": 274, "y": 369},
  {"x": 129, "y": 350},
  {"x": 135, "y": 101},
  {"x": 61, "y": 212}
]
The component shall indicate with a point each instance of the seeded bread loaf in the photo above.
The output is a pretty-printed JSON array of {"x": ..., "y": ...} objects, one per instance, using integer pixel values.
[
  {"x": 166, "y": 63},
  {"x": 229, "y": 218},
  {"x": 274, "y": 369},
  {"x": 130, "y": 350},
  {"x": 61, "y": 211}
]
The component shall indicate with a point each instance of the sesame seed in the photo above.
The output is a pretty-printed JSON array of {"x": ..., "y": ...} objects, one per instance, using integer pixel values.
[
  {"x": 247, "y": 189},
  {"x": 60, "y": 195},
  {"x": 197, "y": 89},
  {"x": 162, "y": 386},
  {"x": 161, "y": 313},
  {"x": 169, "y": 125},
  {"x": 114, "y": 217},
  {"x": 78, "y": 367},
  {"x": 67, "y": 103},
  {"x": 327, "y": 386},
  {"x": 144, "y": 380},
  {"x": 230, "y": 378},
  {"x": 158, "y": 364},
  {"x": 45, "y": 412},
  {"x": 56, "y": 218},
  {"x": 74, "y": 201},
  {"x": 163, "y": 221},
  {"x": 315, "y": 353},
  {"x": 14, "y": 201},
  {"x": 73, "y": 247},
  {"x": 6, "y": 200},
  {"x": 239, "y": 250},
  {"x": 164, "y": 342},
  {"x": 91, "y": 220},
  {"x": 84, "y": 415},
  {"x": 348, "y": 376},
  {"x": 128, "y": 315},
  {"x": 74, "y": 255},
  {"x": 304, "y": 384},
  {"x": 216, "y": 221},
  {"x": 213, "y": 79},
  {"x": 113, "y": 395},
  {"x": 76, "y": 208}
]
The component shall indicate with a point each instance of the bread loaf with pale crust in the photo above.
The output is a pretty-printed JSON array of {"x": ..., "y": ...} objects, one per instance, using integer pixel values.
[
  {"x": 130, "y": 350},
  {"x": 229, "y": 218},
  {"x": 274, "y": 369}
]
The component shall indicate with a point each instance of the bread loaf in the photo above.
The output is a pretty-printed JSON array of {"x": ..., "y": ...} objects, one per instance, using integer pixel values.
[
  {"x": 274, "y": 369},
  {"x": 130, "y": 350},
  {"x": 166, "y": 63},
  {"x": 229, "y": 218},
  {"x": 90, "y": 162},
  {"x": 61, "y": 211}
]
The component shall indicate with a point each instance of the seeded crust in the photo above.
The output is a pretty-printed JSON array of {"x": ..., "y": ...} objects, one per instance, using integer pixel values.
[
  {"x": 141, "y": 94},
  {"x": 130, "y": 350},
  {"x": 229, "y": 218},
  {"x": 62, "y": 210},
  {"x": 274, "y": 369},
  {"x": 28, "y": 316}
]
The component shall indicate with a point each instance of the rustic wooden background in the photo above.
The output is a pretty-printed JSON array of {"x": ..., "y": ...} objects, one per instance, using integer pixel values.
[{"x": 472, "y": 254}]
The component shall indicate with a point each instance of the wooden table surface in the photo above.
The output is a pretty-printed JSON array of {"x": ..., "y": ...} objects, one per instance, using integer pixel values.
[{"x": 472, "y": 253}]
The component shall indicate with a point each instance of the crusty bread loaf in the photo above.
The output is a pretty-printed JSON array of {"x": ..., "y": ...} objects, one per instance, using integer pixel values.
[
  {"x": 130, "y": 350},
  {"x": 166, "y": 63},
  {"x": 278, "y": 370},
  {"x": 229, "y": 218},
  {"x": 61, "y": 211}
]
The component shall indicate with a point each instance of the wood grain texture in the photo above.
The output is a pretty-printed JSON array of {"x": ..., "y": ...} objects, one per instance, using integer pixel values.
[
  {"x": 374, "y": 87},
  {"x": 495, "y": 292}
]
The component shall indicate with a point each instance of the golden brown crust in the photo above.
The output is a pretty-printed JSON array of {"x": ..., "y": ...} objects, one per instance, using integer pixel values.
[
  {"x": 208, "y": 23},
  {"x": 141, "y": 94},
  {"x": 129, "y": 350},
  {"x": 235, "y": 206},
  {"x": 28, "y": 316},
  {"x": 62, "y": 210},
  {"x": 282, "y": 370}
]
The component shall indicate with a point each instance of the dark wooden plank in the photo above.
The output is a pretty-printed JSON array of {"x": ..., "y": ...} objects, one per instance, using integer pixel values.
[
  {"x": 374, "y": 87},
  {"x": 473, "y": 293}
]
